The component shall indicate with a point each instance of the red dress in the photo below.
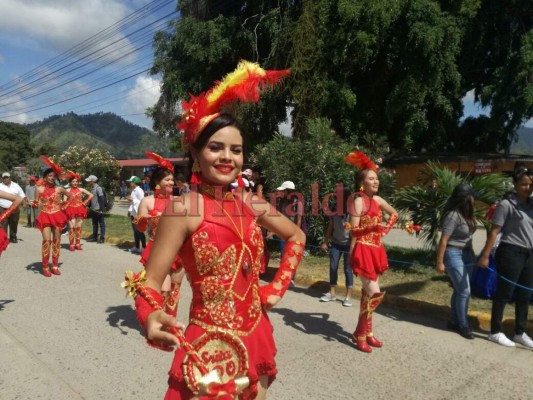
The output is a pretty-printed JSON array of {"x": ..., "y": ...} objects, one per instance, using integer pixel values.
[
  {"x": 4, "y": 240},
  {"x": 160, "y": 203},
  {"x": 368, "y": 258},
  {"x": 76, "y": 208},
  {"x": 222, "y": 259},
  {"x": 51, "y": 213}
]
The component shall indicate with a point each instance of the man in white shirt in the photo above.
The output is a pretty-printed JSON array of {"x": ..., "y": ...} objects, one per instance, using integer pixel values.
[
  {"x": 12, "y": 188},
  {"x": 137, "y": 194}
]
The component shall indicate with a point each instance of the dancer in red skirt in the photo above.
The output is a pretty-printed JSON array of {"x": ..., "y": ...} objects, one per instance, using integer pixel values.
[
  {"x": 51, "y": 219},
  {"x": 76, "y": 209},
  {"x": 218, "y": 237},
  {"x": 367, "y": 254},
  {"x": 4, "y": 239},
  {"x": 150, "y": 210}
]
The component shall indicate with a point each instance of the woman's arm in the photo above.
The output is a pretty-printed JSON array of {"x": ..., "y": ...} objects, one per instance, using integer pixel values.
[
  {"x": 143, "y": 213},
  {"x": 327, "y": 235},
  {"x": 11, "y": 197},
  {"x": 393, "y": 215},
  {"x": 483, "y": 261},
  {"x": 443, "y": 242}
]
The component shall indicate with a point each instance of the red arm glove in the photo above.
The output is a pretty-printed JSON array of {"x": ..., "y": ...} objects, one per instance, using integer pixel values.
[
  {"x": 287, "y": 267},
  {"x": 150, "y": 301},
  {"x": 390, "y": 223},
  {"x": 8, "y": 212},
  {"x": 358, "y": 232}
]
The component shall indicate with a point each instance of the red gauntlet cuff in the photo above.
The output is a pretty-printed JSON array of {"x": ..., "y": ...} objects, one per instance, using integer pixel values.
[
  {"x": 287, "y": 267},
  {"x": 150, "y": 301},
  {"x": 8, "y": 212},
  {"x": 390, "y": 223}
]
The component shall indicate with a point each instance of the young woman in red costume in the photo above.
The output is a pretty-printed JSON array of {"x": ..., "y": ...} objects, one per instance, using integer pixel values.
[
  {"x": 150, "y": 210},
  {"x": 218, "y": 237},
  {"x": 4, "y": 239},
  {"x": 76, "y": 209},
  {"x": 51, "y": 219},
  {"x": 367, "y": 254}
]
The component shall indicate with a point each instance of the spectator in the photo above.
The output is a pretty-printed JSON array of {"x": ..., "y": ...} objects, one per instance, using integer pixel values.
[
  {"x": 12, "y": 221},
  {"x": 123, "y": 190},
  {"x": 514, "y": 261},
  {"x": 455, "y": 255},
  {"x": 338, "y": 239},
  {"x": 30, "y": 196},
  {"x": 97, "y": 209},
  {"x": 137, "y": 194},
  {"x": 248, "y": 175}
]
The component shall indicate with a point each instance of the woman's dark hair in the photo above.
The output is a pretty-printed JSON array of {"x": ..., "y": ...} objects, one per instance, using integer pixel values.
[
  {"x": 47, "y": 171},
  {"x": 463, "y": 204},
  {"x": 520, "y": 172},
  {"x": 158, "y": 175},
  {"x": 222, "y": 121}
]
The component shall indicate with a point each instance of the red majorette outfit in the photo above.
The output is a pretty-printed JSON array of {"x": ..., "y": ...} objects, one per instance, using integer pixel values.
[
  {"x": 160, "y": 203},
  {"x": 50, "y": 215},
  {"x": 76, "y": 208}
]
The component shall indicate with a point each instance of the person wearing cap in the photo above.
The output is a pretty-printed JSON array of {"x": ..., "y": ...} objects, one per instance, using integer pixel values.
[
  {"x": 30, "y": 196},
  {"x": 137, "y": 194},
  {"x": 513, "y": 258},
  {"x": 455, "y": 255},
  {"x": 218, "y": 238},
  {"x": 16, "y": 201},
  {"x": 8, "y": 186},
  {"x": 97, "y": 209}
]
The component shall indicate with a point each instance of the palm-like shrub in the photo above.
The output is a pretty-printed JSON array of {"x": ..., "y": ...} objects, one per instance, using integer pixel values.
[{"x": 425, "y": 206}]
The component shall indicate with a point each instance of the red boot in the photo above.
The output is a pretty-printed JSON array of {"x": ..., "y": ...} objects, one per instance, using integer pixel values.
[
  {"x": 71, "y": 238},
  {"x": 56, "y": 246},
  {"x": 45, "y": 252},
  {"x": 359, "y": 337},
  {"x": 77, "y": 234},
  {"x": 374, "y": 302}
]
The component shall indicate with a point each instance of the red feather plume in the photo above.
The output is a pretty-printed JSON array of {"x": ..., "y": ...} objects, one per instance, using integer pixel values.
[
  {"x": 360, "y": 161},
  {"x": 160, "y": 160},
  {"x": 49, "y": 163},
  {"x": 70, "y": 175}
]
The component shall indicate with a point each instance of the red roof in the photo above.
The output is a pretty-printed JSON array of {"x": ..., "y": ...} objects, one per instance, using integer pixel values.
[{"x": 148, "y": 162}]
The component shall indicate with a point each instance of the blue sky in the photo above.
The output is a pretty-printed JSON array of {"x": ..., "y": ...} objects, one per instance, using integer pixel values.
[{"x": 33, "y": 33}]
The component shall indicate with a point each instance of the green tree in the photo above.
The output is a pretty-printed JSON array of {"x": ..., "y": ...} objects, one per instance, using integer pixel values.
[
  {"x": 425, "y": 205},
  {"x": 14, "y": 145},
  {"x": 85, "y": 162}
]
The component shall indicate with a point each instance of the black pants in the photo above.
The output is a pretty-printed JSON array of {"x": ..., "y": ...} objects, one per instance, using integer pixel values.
[
  {"x": 514, "y": 263},
  {"x": 12, "y": 221},
  {"x": 98, "y": 219}
]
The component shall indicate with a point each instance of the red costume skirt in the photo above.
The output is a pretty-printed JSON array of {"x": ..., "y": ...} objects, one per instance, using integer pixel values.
[
  {"x": 369, "y": 261},
  {"x": 261, "y": 352},
  {"x": 146, "y": 253},
  {"x": 4, "y": 241},
  {"x": 55, "y": 220},
  {"x": 76, "y": 212}
]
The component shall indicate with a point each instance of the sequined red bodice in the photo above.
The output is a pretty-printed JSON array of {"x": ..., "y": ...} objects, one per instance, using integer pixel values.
[
  {"x": 372, "y": 216},
  {"x": 77, "y": 197},
  {"x": 50, "y": 200},
  {"x": 222, "y": 260}
]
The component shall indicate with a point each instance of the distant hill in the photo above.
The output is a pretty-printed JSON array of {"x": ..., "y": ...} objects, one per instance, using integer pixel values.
[
  {"x": 105, "y": 131},
  {"x": 525, "y": 142}
]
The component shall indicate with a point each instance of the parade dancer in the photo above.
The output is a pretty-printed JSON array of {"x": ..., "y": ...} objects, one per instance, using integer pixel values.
[
  {"x": 76, "y": 209},
  {"x": 150, "y": 210},
  {"x": 51, "y": 219},
  {"x": 16, "y": 200},
  {"x": 367, "y": 254},
  {"x": 218, "y": 237}
]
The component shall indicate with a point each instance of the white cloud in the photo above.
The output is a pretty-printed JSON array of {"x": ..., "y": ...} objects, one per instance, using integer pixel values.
[
  {"x": 60, "y": 24},
  {"x": 529, "y": 123},
  {"x": 144, "y": 94}
]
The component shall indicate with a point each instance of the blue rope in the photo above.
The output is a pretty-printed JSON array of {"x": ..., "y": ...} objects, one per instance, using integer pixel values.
[{"x": 411, "y": 263}]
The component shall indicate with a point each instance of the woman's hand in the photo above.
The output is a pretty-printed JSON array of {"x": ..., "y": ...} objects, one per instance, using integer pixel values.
[
  {"x": 483, "y": 261},
  {"x": 156, "y": 329},
  {"x": 440, "y": 268},
  {"x": 272, "y": 300}
]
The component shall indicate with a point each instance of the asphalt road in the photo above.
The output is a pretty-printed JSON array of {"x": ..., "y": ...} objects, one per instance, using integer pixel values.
[{"x": 76, "y": 337}]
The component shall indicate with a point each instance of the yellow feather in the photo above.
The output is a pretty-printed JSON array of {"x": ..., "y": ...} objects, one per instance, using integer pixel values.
[{"x": 243, "y": 71}]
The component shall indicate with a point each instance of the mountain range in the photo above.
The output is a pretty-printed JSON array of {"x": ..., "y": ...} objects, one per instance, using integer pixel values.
[
  {"x": 106, "y": 131},
  {"x": 524, "y": 145}
]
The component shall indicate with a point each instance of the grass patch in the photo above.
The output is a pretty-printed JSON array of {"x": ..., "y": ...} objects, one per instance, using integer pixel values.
[{"x": 116, "y": 226}]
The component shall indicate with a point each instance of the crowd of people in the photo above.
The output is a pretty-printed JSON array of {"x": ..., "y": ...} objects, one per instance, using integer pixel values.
[{"x": 214, "y": 233}]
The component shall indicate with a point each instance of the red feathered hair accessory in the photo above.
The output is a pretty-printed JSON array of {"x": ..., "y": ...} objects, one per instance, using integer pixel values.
[
  {"x": 70, "y": 175},
  {"x": 160, "y": 160},
  {"x": 243, "y": 85},
  {"x": 50, "y": 164},
  {"x": 360, "y": 161}
]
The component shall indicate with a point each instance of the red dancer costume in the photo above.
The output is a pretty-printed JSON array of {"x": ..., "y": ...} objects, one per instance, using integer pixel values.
[
  {"x": 368, "y": 258},
  {"x": 75, "y": 208}
]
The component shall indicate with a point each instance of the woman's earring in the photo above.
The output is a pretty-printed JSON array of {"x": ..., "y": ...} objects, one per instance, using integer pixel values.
[
  {"x": 361, "y": 188},
  {"x": 195, "y": 177}
]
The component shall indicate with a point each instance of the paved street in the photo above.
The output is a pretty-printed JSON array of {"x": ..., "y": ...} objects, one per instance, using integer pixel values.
[{"x": 76, "y": 337}]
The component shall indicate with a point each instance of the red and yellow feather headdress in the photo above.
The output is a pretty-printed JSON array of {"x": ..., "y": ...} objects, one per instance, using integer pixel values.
[
  {"x": 50, "y": 164},
  {"x": 243, "y": 85},
  {"x": 160, "y": 160},
  {"x": 70, "y": 175},
  {"x": 360, "y": 161}
]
